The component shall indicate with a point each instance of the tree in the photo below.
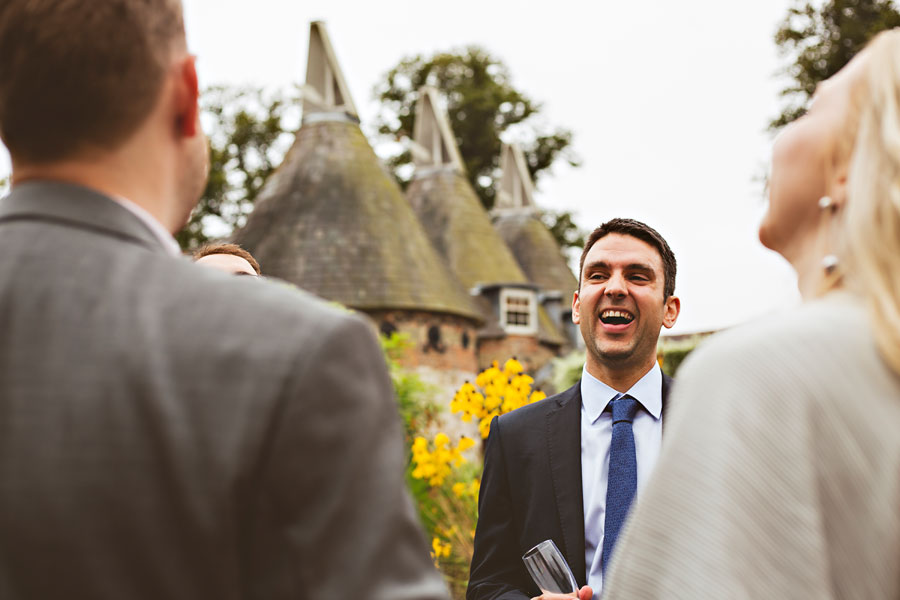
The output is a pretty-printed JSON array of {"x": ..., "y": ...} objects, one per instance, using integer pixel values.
[
  {"x": 564, "y": 229},
  {"x": 482, "y": 105},
  {"x": 250, "y": 132},
  {"x": 820, "y": 40}
]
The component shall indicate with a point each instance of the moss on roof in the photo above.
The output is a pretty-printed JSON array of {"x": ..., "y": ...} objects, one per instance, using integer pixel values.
[
  {"x": 332, "y": 221},
  {"x": 536, "y": 251},
  {"x": 461, "y": 230}
]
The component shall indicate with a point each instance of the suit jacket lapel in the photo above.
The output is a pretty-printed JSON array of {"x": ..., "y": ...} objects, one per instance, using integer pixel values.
[{"x": 564, "y": 451}]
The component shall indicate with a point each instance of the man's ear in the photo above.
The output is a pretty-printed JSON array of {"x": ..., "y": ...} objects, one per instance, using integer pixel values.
[
  {"x": 673, "y": 308},
  {"x": 187, "y": 98},
  {"x": 576, "y": 309}
]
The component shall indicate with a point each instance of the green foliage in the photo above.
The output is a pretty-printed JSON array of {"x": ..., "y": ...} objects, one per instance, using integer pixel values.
[
  {"x": 250, "y": 132},
  {"x": 820, "y": 39},
  {"x": 567, "y": 370},
  {"x": 415, "y": 402},
  {"x": 672, "y": 353},
  {"x": 417, "y": 409},
  {"x": 482, "y": 104},
  {"x": 564, "y": 229}
]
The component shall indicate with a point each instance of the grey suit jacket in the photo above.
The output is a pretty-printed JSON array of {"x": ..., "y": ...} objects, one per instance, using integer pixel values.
[{"x": 168, "y": 431}]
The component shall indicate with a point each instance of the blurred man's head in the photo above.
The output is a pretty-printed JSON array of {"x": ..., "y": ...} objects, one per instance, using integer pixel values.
[
  {"x": 102, "y": 82},
  {"x": 230, "y": 258}
]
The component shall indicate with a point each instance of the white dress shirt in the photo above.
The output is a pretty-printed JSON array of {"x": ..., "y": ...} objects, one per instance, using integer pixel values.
[{"x": 596, "y": 434}]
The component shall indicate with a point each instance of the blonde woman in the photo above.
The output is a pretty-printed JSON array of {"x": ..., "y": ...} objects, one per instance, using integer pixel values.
[{"x": 779, "y": 476}]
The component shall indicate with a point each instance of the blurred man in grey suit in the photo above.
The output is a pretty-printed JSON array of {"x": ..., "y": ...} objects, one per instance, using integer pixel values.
[{"x": 168, "y": 431}]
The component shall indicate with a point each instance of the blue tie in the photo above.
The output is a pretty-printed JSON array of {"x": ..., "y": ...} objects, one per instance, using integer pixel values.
[{"x": 621, "y": 485}]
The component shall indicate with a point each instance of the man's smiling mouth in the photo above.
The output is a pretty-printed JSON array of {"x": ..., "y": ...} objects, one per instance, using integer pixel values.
[{"x": 612, "y": 316}]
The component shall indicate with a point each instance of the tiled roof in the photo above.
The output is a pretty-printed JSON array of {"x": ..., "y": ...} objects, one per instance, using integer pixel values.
[
  {"x": 332, "y": 221},
  {"x": 461, "y": 230},
  {"x": 536, "y": 251}
]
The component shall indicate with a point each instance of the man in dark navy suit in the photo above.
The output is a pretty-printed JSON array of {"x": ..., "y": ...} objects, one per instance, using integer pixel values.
[{"x": 567, "y": 468}]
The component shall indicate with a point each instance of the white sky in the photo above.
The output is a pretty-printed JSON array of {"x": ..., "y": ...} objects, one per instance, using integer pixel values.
[{"x": 668, "y": 101}]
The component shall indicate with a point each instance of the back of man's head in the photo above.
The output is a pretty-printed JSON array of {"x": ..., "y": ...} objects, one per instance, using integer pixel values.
[
  {"x": 237, "y": 260},
  {"x": 79, "y": 76}
]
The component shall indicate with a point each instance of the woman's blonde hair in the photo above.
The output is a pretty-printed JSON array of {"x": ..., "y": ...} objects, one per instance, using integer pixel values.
[{"x": 871, "y": 232}]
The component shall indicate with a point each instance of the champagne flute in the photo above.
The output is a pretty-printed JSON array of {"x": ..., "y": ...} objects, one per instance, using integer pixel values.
[{"x": 550, "y": 571}]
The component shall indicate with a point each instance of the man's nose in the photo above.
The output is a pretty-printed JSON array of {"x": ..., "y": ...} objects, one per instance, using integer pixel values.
[{"x": 615, "y": 285}]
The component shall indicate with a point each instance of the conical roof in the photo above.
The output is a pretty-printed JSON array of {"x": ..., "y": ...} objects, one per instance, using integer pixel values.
[
  {"x": 517, "y": 221},
  {"x": 537, "y": 252},
  {"x": 332, "y": 221},
  {"x": 453, "y": 216},
  {"x": 461, "y": 230},
  {"x": 449, "y": 209}
]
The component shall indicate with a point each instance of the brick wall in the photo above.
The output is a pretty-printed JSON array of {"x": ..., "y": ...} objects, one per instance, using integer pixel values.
[
  {"x": 527, "y": 349},
  {"x": 439, "y": 341}
]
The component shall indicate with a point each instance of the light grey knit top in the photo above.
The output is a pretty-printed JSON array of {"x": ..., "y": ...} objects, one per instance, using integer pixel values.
[{"x": 779, "y": 475}]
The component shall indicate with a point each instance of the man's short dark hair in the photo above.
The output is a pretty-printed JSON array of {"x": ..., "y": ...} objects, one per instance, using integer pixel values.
[
  {"x": 643, "y": 232},
  {"x": 232, "y": 249},
  {"x": 80, "y": 76}
]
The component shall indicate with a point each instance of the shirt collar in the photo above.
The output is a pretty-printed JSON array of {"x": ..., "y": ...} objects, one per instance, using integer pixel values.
[
  {"x": 595, "y": 394},
  {"x": 165, "y": 238}
]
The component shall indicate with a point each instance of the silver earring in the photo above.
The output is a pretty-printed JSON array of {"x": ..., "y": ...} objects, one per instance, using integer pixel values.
[{"x": 826, "y": 203}]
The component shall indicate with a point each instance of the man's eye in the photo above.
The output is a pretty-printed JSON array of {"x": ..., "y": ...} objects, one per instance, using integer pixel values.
[
  {"x": 597, "y": 276},
  {"x": 642, "y": 278}
]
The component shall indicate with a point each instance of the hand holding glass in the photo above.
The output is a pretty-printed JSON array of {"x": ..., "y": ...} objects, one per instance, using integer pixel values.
[{"x": 550, "y": 570}]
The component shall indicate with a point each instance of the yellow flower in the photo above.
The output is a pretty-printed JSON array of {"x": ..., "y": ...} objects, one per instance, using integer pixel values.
[
  {"x": 439, "y": 549},
  {"x": 471, "y": 489},
  {"x": 435, "y": 465},
  {"x": 502, "y": 391},
  {"x": 484, "y": 427},
  {"x": 512, "y": 366},
  {"x": 522, "y": 383},
  {"x": 492, "y": 401}
]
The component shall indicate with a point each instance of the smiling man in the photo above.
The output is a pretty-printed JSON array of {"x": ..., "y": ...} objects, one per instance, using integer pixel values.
[{"x": 568, "y": 468}]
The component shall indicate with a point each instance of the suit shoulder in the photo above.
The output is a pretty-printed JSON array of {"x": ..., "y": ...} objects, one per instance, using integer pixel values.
[{"x": 265, "y": 315}]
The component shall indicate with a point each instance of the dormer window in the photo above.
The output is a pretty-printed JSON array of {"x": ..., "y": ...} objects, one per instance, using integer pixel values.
[{"x": 518, "y": 311}]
